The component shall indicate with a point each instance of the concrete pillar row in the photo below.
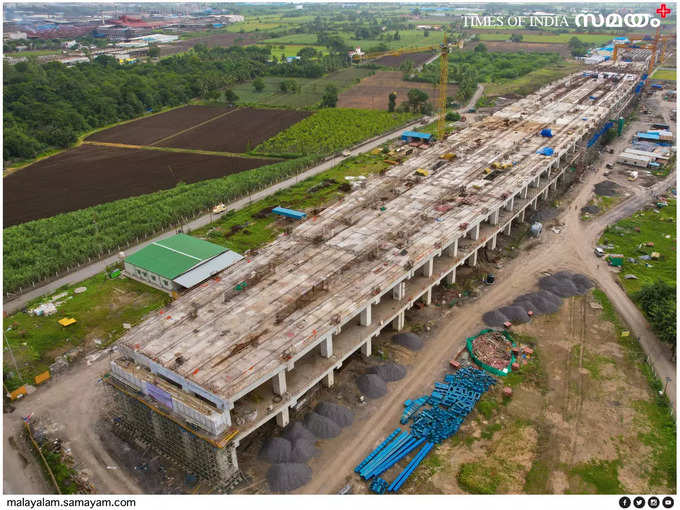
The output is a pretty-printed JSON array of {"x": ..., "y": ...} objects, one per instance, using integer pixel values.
[
  {"x": 279, "y": 383},
  {"x": 283, "y": 418},
  {"x": 327, "y": 346},
  {"x": 452, "y": 249},
  {"x": 366, "y": 348},
  {"x": 451, "y": 277},
  {"x": 398, "y": 291},
  {"x": 365, "y": 317},
  {"x": 329, "y": 379},
  {"x": 428, "y": 268},
  {"x": 398, "y": 321}
]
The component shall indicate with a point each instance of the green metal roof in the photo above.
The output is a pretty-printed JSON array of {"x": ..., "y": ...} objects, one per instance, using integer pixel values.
[{"x": 174, "y": 256}]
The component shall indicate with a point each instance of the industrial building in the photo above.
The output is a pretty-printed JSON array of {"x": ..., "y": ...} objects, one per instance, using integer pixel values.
[
  {"x": 245, "y": 348},
  {"x": 178, "y": 262}
]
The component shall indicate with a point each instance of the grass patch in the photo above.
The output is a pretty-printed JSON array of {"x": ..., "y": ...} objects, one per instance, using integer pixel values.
[
  {"x": 548, "y": 38},
  {"x": 487, "y": 405},
  {"x": 490, "y": 430},
  {"x": 653, "y": 225},
  {"x": 598, "y": 477},
  {"x": 592, "y": 362},
  {"x": 250, "y": 228},
  {"x": 665, "y": 74},
  {"x": 100, "y": 311},
  {"x": 479, "y": 478},
  {"x": 532, "y": 81}
]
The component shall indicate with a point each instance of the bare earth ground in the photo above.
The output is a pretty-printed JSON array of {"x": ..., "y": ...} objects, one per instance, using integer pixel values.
[
  {"x": 77, "y": 394},
  {"x": 372, "y": 92}
]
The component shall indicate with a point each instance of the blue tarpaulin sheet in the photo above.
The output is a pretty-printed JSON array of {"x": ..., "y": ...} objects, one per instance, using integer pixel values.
[
  {"x": 546, "y": 151},
  {"x": 289, "y": 213},
  {"x": 415, "y": 134}
]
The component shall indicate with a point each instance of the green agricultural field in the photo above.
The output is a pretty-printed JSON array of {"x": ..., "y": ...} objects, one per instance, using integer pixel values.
[
  {"x": 309, "y": 95},
  {"x": 407, "y": 39},
  {"x": 664, "y": 74},
  {"x": 549, "y": 38},
  {"x": 654, "y": 225},
  {"x": 253, "y": 26},
  {"x": 332, "y": 129},
  {"x": 100, "y": 311},
  {"x": 530, "y": 82},
  {"x": 246, "y": 229}
]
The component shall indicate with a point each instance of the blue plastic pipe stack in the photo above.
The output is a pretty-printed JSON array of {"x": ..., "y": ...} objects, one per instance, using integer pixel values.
[{"x": 399, "y": 480}]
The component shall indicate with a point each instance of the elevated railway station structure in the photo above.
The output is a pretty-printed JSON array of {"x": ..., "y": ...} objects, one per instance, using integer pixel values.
[{"x": 240, "y": 350}]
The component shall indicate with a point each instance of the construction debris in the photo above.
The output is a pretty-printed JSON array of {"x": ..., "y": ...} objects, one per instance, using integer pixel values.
[{"x": 493, "y": 349}]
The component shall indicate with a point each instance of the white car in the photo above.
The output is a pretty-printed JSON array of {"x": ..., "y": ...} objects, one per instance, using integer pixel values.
[{"x": 599, "y": 252}]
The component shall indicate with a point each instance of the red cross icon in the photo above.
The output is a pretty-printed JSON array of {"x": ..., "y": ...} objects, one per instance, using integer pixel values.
[{"x": 663, "y": 11}]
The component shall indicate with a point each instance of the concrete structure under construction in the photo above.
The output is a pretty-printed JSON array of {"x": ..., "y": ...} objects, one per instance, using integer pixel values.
[{"x": 244, "y": 349}]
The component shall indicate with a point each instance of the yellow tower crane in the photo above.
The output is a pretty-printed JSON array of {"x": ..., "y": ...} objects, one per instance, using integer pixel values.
[{"x": 443, "y": 82}]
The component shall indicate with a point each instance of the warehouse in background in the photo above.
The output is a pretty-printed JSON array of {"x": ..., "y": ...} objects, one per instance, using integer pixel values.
[{"x": 178, "y": 262}]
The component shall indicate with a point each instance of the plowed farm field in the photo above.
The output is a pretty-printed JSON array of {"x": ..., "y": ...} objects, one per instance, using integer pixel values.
[
  {"x": 148, "y": 130},
  {"x": 396, "y": 60},
  {"x": 91, "y": 175},
  {"x": 237, "y": 131},
  {"x": 217, "y": 129},
  {"x": 372, "y": 92}
]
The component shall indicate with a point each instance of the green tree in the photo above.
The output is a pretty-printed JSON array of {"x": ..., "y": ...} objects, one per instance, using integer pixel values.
[
  {"x": 154, "y": 51},
  {"x": 258, "y": 84},
  {"x": 452, "y": 116},
  {"x": 426, "y": 33},
  {"x": 230, "y": 96},
  {"x": 658, "y": 303},
  {"x": 307, "y": 53},
  {"x": 330, "y": 97},
  {"x": 416, "y": 99},
  {"x": 516, "y": 37},
  {"x": 392, "y": 101}
]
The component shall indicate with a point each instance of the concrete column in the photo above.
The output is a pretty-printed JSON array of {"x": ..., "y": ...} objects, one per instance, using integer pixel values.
[
  {"x": 508, "y": 228},
  {"x": 427, "y": 297},
  {"x": 494, "y": 217},
  {"x": 554, "y": 185},
  {"x": 398, "y": 291},
  {"x": 327, "y": 346},
  {"x": 329, "y": 379},
  {"x": 366, "y": 348},
  {"x": 525, "y": 191},
  {"x": 365, "y": 319},
  {"x": 428, "y": 268},
  {"x": 283, "y": 418},
  {"x": 521, "y": 216},
  {"x": 451, "y": 277},
  {"x": 226, "y": 462},
  {"x": 474, "y": 258},
  {"x": 452, "y": 250},
  {"x": 475, "y": 232},
  {"x": 279, "y": 383},
  {"x": 510, "y": 205},
  {"x": 534, "y": 204},
  {"x": 493, "y": 241},
  {"x": 398, "y": 322}
]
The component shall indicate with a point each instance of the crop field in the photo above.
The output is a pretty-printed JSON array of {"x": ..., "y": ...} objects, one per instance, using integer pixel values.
[
  {"x": 372, "y": 92},
  {"x": 237, "y": 131},
  {"x": 548, "y": 38},
  {"x": 310, "y": 93},
  {"x": 396, "y": 60},
  {"x": 407, "y": 39},
  {"x": 291, "y": 50},
  {"x": 220, "y": 39},
  {"x": 665, "y": 74},
  {"x": 529, "y": 47},
  {"x": 90, "y": 175},
  {"x": 530, "y": 82},
  {"x": 332, "y": 129},
  {"x": 151, "y": 129}
]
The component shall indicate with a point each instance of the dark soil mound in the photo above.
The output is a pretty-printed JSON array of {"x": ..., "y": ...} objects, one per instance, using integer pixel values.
[
  {"x": 320, "y": 426},
  {"x": 409, "y": 340},
  {"x": 287, "y": 477},
  {"x": 276, "y": 450},
  {"x": 494, "y": 318},
  {"x": 372, "y": 385},
  {"x": 389, "y": 371},
  {"x": 339, "y": 414}
]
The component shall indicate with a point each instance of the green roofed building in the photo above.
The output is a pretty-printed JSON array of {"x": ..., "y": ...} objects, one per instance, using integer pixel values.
[{"x": 178, "y": 262}]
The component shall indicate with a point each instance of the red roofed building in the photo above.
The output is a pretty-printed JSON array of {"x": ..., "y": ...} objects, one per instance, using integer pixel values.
[{"x": 135, "y": 22}]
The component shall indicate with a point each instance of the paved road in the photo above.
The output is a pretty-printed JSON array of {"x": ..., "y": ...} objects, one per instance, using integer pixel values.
[
  {"x": 97, "y": 267},
  {"x": 473, "y": 101}
]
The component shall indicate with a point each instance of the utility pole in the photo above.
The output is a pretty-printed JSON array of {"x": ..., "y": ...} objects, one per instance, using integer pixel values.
[{"x": 16, "y": 366}]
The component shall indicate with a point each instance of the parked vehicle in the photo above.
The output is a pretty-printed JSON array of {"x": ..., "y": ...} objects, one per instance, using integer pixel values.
[{"x": 599, "y": 252}]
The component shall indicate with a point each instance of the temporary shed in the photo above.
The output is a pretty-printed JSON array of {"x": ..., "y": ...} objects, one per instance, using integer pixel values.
[
  {"x": 415, "y": 136},
  {"x": 634, "y": 159},
  {"x": 615, "y": 259},
  {"x": 178, "y": 262},
  {"x": 650, "y": 155},
  {"x": 289, "y": 213}
]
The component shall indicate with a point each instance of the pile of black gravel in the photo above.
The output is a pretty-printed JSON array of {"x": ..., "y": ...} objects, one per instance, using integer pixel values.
[
  {"x": 303, "y": 450},
  {"x": 297, "y": 430},
  {"x": 389, "y": 371},
  {"x": 320, "y": 426},
  {"x": 606, "y": 189},
  {"x": 409, "y": 340},
  {"x": 276, "y": 450},
  {"x": 372, "y": 385},
  {"x": 337, "y": 413},
  {"x": 286, "y": 477}
]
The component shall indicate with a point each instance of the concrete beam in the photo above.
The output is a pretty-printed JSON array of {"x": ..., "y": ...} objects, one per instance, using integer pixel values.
[
  {"x": 365, "y": 318},
  {"x": 326, "y": 346},
  {"x": 366, "y": 348},
  {"x": 283, "y": 418},
  {"x": 279, "y": 383},
  {"x": 398, "y": 321}
]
